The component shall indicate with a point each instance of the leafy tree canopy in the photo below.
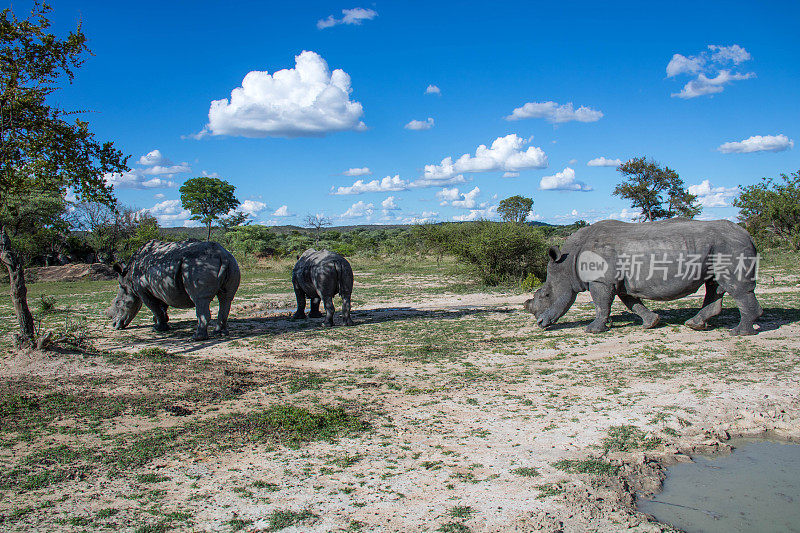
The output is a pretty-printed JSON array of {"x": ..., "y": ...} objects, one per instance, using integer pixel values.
[
  {"x": 515, "y": 209},
  {"x": 771, "y": 210},
  {"x": 656, "y": 192},
  {"x": 208, "y": 199}
]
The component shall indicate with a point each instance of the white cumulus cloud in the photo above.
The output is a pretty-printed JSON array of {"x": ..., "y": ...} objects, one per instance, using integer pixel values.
[
  {"x": 554, "y": 113},
  {"x": 305, "y": 101},
  {"x": 389, "y": 183},
  {"x": 511, "y": 174},
  {"x": 506, "y": 153},
  {"x": 433, "y": 89},
  {"x": 359, "y": 209},
  {"x": 476, "y": 214},
  {"x": 282, "y": 211},
  {"x": 420, "y": 124},
  {"x": 363, "y": 171},
  {"x": 170, "y": 213},
  {"x": 709, "y": 196},
  {"x": 603, "y": 162},
  {"x": 389, "y": 204},
  {"x": 468, "y": 200},
  {"x": 349, "y": 16},
  {"x": 156, "y": 172},
  {"x": 251, "y": 207},
  {"x": 711, "y": 70},
  {"x": 563, "y": 181},
  {"x": 758, "y": 143}
]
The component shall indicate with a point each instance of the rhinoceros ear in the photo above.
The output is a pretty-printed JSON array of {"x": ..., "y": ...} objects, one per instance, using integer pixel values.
[
  {"x": 554, "y": 253},
  {"x": 119, "y": 269}
]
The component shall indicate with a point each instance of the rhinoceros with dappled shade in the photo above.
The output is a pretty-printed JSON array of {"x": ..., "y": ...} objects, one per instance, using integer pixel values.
[
  {"x": 663, "y": 260},
  {"x": 319, "y": 276},
  {"x": 177, "y": 274}
]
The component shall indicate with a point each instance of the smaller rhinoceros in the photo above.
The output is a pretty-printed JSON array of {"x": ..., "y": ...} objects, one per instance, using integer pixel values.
[
  {"x": 177, "y": 274},
  {"x": 320, "y": 275}
]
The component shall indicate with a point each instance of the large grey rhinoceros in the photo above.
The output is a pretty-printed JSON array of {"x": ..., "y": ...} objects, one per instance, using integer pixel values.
[
  {"x": 320, "y": 275},
  {"x": 177, "y": 274},
  {"x": 663, "y": 260}
]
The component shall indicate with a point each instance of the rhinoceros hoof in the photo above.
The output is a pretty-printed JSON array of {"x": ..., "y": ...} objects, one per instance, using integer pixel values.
[
  {"x": 299, "y": 316},
  {"x": 592, "y": 328},
  {"x": 200, "y": 337},
  {"x": 656, "y": 320},
  {"x": 223, "y": 332},
  {"x": 161, "y": 327},
  {"x": 741, "y": 330},
  {"x": 312, "y": 314},
  {"x": 697, "y": 326},
  {"x": 327, "y": 324},
  {"x": 349, "y": 322}
]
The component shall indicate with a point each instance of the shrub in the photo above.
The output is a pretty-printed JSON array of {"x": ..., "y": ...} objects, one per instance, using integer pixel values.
[
  {"x": 499, "y": 251},
  {"x": 530, "y": 283},
  {"x": 770, "y": 211}
]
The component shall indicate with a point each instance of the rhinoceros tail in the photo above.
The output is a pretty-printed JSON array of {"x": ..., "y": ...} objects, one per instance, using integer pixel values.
[{"x": 344, "y": 276}]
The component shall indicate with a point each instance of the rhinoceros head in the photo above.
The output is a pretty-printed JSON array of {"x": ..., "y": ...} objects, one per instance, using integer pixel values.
[
  {"x": 556, "y": 295},
  {"x": 126, "y": 305}
]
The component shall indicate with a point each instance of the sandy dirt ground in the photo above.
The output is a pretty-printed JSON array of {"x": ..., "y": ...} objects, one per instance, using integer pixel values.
[{"x": 467, "y": 416}]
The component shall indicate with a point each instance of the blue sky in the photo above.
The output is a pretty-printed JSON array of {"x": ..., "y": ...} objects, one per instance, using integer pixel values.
[{"x": 595, "y": 77}]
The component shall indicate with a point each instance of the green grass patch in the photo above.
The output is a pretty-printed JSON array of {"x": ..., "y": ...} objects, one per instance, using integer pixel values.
[
  {"x": 597, "y": 467},
  {"x": 526, "y": 471},
  {"x": 628, "y": 438}
]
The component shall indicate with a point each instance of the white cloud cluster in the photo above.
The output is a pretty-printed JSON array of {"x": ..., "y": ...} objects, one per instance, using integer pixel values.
[
  {"x": 306, "y": 101},
  {"x": 170, "y": 213},
  {"x": 282, "y": 211},
  {"x": 363, "y": 171},
  {"x": 453, "y": 197},
  {"x": 554, "y": 113},
  {"x": 563, "y": 181},
  {"x": 251, "y": 207},
  {"x": 510, "y": 174},
  {"x": 157, "y": 172},
  {"x": 389, "y": 183},
  {"x": 604, "y": 162},
  {"x": 506, "y": 153},
  {"x": 758, "y": 143},
  {"x": 349, "y": 16},
  {"x": 708, "y": 69},
  {"x": 389, "y": 204},
  {"x": 420, "y": 124},
  {"x": 476, "y": 214},
  {"x": 359, "y": 209},
  {"x": 433, "y": 89},
  {"x": 709, "y": 196}
]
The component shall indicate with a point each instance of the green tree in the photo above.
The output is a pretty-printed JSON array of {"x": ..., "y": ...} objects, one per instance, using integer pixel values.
[
  {"x": 656, "y": 192},
  {"x": 771, "y": 209},
  {"x": 43, "y": 152},
  {"x": 515, "y": 209},
  {"x": 208, "y": 199}
]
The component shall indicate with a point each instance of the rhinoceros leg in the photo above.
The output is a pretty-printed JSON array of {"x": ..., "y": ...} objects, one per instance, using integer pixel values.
[
  {"x": 159, "y": 310},
  {"x": 327, "y": 301},
  {"x": 222, "y": 315},
  {"x": 602, "y": 296},
  {"x": 314, "y": 313},
  {"x": 712, "y": 306},
  {"x": 301, "y": 301},
  {"x": 635, "y": 305},
  {"x": 750, "y": 310},
  {"x": 346, "y": 310},
  {"x": 203, "y": 309}
]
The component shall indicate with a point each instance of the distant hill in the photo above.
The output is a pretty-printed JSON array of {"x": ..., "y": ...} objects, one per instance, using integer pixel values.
[{"x": 200, "y": 233}]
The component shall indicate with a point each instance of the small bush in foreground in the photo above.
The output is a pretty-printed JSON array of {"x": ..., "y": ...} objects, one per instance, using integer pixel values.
[
  {"x": 627, "y": 438},
  {"x": 597, "y": 467}
]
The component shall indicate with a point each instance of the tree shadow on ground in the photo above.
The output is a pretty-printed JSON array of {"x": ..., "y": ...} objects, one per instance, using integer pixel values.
[{"x": 179, "y": 337}]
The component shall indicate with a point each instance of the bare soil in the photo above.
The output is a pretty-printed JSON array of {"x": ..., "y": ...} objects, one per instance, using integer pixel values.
[{"x": 471, "y": 418}]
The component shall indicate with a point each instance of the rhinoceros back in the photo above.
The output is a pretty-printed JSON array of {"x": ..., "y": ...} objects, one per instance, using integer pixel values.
[{"x": 170, "y": 271}]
